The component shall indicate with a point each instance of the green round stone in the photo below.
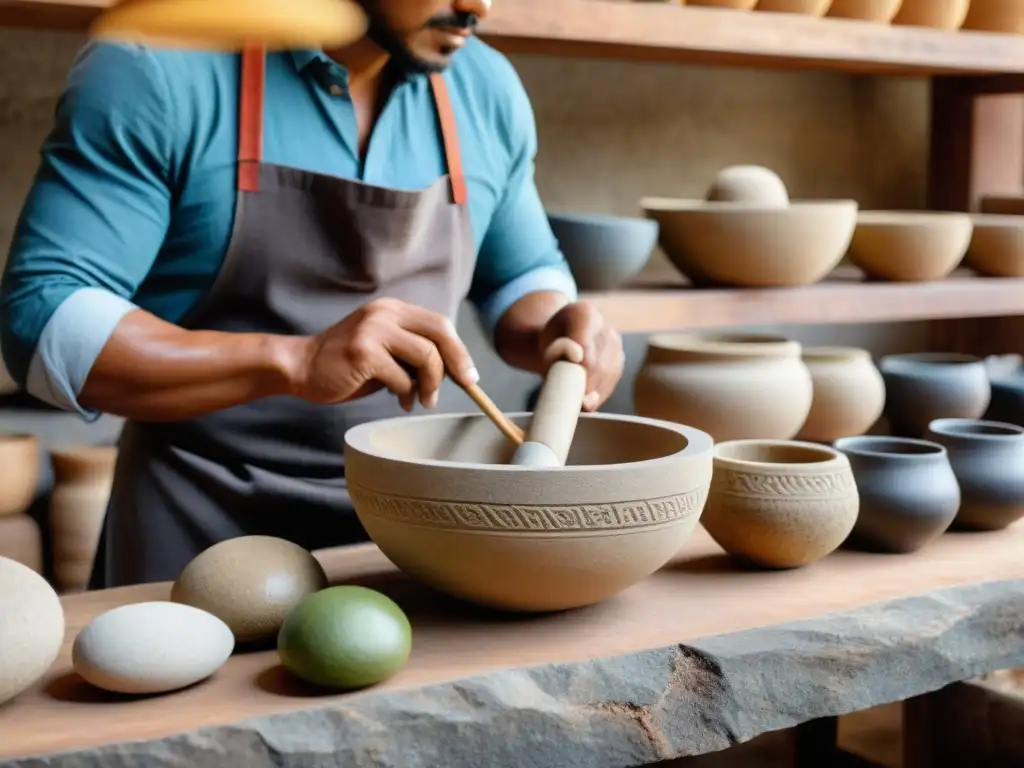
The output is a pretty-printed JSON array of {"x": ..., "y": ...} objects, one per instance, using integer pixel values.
[{"x": 345, "y": 637}]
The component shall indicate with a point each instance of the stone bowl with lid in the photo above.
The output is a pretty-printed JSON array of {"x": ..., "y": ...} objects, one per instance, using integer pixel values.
[
  {"x": 746, "y": 232},
  {"x": 437, "y": 494}
]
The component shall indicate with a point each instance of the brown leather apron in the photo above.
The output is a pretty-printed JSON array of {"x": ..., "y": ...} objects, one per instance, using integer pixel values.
[{"x": 306, "y": 250}]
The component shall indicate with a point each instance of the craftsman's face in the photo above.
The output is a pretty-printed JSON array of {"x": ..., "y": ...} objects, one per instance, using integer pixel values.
[{"x": 423, "y": 35}]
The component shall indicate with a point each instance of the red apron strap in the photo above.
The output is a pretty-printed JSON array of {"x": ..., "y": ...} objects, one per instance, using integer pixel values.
[
  {"x": 450, "y": 137},
  {"x": 250, "y": 119}
]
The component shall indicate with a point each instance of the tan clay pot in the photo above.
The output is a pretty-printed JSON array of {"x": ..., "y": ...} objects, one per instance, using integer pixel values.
[
  {"x": 910, "y": 246},
  {"x": 21, "y": 541},
  {"x": 753, "y": 184},
  {"x": 997, "y": 246},
  {"x": 19, "y": 473},
  {"x": 849, "y": 393},
  {"x": 806, "y": 7},
  {"x": 736, "y": 5},
  {"x": 749, "y": 245},
  {"x": 940, "y": 14},
  {"x": 438, "y": 497},
  {"x": 878, "y": 11},
  {"x": 780, "y": 504},
  {"x": 83, "y": 477},
  {"x": 729, "y": 385},
  {"x": 995, "y": 16}
]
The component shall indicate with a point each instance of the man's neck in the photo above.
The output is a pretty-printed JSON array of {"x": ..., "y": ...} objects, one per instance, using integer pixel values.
[{"x": 365, "y": 62}]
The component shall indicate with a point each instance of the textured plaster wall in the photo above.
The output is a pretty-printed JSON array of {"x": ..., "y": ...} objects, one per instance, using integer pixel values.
[{"x": 609, "y": 134}]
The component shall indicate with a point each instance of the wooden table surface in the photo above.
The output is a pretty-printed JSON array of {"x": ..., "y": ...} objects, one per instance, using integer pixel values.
[{"x": 701, "y": 593}]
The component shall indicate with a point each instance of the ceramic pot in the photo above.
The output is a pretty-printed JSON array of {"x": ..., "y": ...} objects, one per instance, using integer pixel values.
[
  {"x": 997, "y": 245},
  {"x": 932, "y": 385},
  {"x": 805, "y": 7},
  {"x": 19, "y": 473},
  {"x": 849, "y": 393},
  {"x": 83, "y": 477},
  {"x": 22, "y": 541},
  {"x": 938, "y": 14},
  {"x": 780, "y": 504},
  {"x": 731, "y": 386},
  {"x": 988, "y": 460},
  {"x": 1006, "y": 16},
  {"x": 438, "y": 496},
  {"x": 1007, "y": 400},
  {"x": 879, "y": 11},
  {"x": 908, "y": 492}
]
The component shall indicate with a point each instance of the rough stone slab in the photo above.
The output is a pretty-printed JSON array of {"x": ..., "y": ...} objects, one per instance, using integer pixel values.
[{"x": 623, "y": 711}]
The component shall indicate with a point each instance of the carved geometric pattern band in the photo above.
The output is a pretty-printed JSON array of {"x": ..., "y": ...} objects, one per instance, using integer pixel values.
[
  {"x": 491, "y": 517},
  {"x": 818, "y": 486}
]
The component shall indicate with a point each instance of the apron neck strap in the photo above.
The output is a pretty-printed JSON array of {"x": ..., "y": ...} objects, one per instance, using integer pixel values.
[{"x": 250, "y": 126}]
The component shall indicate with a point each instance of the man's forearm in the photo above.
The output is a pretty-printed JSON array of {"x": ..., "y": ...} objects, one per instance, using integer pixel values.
[
  {"x": 151, "y": 370},
  {"x": 517, "y": 335}
]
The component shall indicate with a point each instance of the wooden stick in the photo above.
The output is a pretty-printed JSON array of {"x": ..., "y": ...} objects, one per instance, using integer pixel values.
[{"x": 501, "y": 421}]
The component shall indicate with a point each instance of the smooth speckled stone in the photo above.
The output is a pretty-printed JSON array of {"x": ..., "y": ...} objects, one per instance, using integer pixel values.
[
  {"x": 31, "y": 627},
  {"x": 251, "y": 583},
  {"x": 148, "y": 648}
]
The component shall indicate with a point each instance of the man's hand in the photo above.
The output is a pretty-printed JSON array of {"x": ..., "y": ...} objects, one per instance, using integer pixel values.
[
  {"x": 601, "y": 344},
  {"x": 386, "y": 344}
]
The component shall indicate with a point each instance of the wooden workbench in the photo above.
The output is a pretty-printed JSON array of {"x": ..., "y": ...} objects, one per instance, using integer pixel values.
[{"x": 700, "y": 656}]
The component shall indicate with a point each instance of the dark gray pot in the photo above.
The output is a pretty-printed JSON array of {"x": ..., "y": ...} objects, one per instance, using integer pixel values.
[
  {"x": 603, "y": 252},
  {"x": 922, "y": 387},
  {"x": 988, "y": 460},
  {"x": 1007, "y": 400},
  {"x": 908, "y": 492}
]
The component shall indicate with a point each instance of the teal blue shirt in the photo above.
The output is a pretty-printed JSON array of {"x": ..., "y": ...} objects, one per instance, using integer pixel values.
[{"x": 134, "y": 200}]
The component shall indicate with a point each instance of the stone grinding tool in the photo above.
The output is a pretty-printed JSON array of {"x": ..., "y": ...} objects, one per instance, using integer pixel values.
[{"x": 549, "y": 436}]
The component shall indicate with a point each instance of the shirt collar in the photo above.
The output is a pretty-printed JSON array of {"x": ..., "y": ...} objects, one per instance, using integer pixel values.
[{"x": 303, "y": 58}]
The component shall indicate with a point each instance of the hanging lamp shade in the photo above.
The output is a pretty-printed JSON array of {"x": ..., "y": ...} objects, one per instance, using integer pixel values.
[{"x": 232, "y": 24}]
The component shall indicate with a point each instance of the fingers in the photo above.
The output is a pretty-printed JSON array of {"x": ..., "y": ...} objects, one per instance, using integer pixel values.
[
  {"x": 423, "y": 357},
  {"x": 583, "y": 329},
  {"x": 439, "y": 330},
  {"x": 604, "y": 373}
]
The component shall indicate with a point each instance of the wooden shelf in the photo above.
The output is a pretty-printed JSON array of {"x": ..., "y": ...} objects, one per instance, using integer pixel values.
[
  {"x": 651, "y": 307},
  {"x": 614, "y": 29}
]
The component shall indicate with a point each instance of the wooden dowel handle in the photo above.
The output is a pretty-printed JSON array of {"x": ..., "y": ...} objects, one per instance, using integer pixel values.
[{"x": 512, "y": 431}]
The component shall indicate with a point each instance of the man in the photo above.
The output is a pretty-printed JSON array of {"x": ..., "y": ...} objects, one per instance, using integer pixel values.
[{"x": 247, "y": 255}]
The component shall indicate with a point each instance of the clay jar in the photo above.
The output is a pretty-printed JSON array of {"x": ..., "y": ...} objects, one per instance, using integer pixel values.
[
  {"x": 908, "y": 492},
  {"x": 83, "y": 477},
  {"x": 849, "y": 393},
  {"x": 988, "y": 460},
  {"x": 19, "y": 473},
  {"x": 780, "y": 504},
  {"x": 933, "y": 385},
  {"x": 732, "y": 386}
]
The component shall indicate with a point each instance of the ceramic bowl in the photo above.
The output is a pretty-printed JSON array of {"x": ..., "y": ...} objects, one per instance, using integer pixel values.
[
  {"x": 939, "y": 14},
  {"x": 997, "y": 246},
  {"x": 20, "y": 464},
  {"x": 603, "y": 252},
  {"x": 780, "y": 504},
  {"x": 995, "y": 16},
  {"x": 806, "y": 7},
  {"x": 908, "y": 492},
  {"x": 925, "y": 386},
  {"x": 753, "y": 184},
  {"x": 878, "y": 11},
  {"x": 736, "y": 5},
  {"x": 749, "y": 245},
  {"x": 910, "y": 246},
  {"x": 438, "y": 497}
]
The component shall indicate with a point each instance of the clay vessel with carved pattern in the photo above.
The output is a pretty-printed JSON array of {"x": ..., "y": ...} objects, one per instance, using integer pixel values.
[
  {"x": 780, "y": 503},
  {"x": 438, "y": 496}
]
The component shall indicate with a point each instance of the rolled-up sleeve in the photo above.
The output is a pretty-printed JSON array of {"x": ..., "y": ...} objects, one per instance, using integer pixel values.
[
  {"x": 519, "y": 254},
  {"x": 92, "y": 224}
]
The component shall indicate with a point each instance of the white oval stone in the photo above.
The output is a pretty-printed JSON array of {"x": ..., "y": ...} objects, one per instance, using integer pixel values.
[
  {"x": 31, "y": 627},
  {"x": 148, "y": 648}
]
